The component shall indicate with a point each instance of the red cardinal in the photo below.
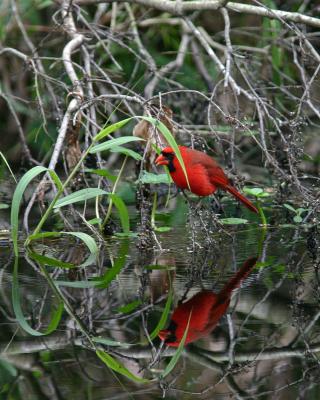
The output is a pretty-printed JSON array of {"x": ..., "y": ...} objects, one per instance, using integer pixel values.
[
  {"x": 204, "y": 174},
  {"x": 206, "y": 309}
]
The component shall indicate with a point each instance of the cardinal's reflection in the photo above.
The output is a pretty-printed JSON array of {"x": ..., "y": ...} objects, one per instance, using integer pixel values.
[{"x": 204, "y": 310}]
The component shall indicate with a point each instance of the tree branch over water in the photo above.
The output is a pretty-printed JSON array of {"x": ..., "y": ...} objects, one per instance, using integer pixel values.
[{"x": 180, "y": 8}]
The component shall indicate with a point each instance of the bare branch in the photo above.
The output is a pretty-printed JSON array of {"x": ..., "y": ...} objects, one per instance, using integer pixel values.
[{"x": 179, "y": 8}]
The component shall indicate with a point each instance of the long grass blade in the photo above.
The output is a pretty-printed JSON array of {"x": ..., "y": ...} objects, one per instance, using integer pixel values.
[
  {"x": 116, "y": 366},
  {"x": 56, "y": 314},
  {"x": 102, "y": 172},
  {"x": 170, "y": 139},
  {"x": 84, "y": 237},
  {"x": 16, "y": 201},
  {"x": 102, "y": 282},
  {"x": 110, "y": 129},
  {"x": 110, "y": 144},
  {"x": 123, "y": 212},
  {"x": 164, "y": 316},
  {"x": 127, "y": 152},
  {"x": 8, "y": 166},
  {"x": 177, "y": 354},
  {"x": 80, "y": 195}
]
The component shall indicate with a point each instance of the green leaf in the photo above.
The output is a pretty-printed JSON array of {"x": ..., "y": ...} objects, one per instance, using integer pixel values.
[
  {"x": 116, "y": 366},
  {"x": 280, "y": 268},
  {"x": 233, "y": 221},
  {"x": 289, "y": 207},
  {"x": 3, "y": 206},
  {"x": 7, "y": 374},
  {"x": 162, "y": 228},
  {"x": 149, "y": 178},
  {"x": 178, "y": 353},
  {"x": 109, "y": 144},
  {"x": 260, "y": 265},
  {"x": 80, "y": 195},
  {"x": 126, "y": 235},
  {"x": 126, "y": 309},
  {"x": 84, "y": 237},
  {"x": 44, "y": 4},
  {"x": 8, "y": 166},
  {"x": 55, "y": 179},
  {"x": 297, "y": 219},
  {"x": 102, "y": 282},
  {"x": 123, "y": 212},
  {"x": 110, "y": 129},
  {"x": 16, "y": 200},
  {"x": 52, "y": 262},
  {"x": 102, "y": 172},
  {"x": 256, "y": 192},
  {"x": 110, "y": 342},
  {"x": 56, "y": 314},
  {"x": 170, "y": 139},
  {"x": 94, "y": 221},
  {"x": 127, "y": 152},
  {"x": 164, "y": 316}
]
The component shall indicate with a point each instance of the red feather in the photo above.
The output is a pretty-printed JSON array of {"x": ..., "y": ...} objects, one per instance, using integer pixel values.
[
  {"x": 205, "y": 176},
  {"x": 203, "y": 311}
]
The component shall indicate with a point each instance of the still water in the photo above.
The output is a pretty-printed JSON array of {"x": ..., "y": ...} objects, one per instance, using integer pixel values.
[{"x": 245, "y": 302}]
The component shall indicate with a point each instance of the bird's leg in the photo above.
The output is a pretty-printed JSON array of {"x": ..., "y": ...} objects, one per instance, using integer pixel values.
[
  {"x": 216, "y": 205},
  {"x": 189, "y": 201},
  {"x": 198, "y": 204},
  {"x": 186, "y": 196},
  {"x": 185, "y": 294}
]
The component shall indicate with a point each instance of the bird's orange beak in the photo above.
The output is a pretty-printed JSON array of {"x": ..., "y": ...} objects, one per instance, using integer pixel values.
[
  {"x": 161, "y": 160},
  {"x": 163, "y": 334}
]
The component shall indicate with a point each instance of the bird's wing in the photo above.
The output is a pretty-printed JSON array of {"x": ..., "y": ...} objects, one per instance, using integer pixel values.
[{"x": 214, "y": 171}]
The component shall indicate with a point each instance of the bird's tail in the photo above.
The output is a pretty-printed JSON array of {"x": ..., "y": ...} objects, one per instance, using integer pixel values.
[
  {"x": 240, "y": 276},
  {"x": 241, "y": 198}
]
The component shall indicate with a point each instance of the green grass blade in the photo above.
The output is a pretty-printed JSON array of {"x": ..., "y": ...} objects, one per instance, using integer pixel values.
[
  {"x": 78, "y": 284},
  {"x": 177, "y": 354},
  {"x": 233, "y": 221},
  {"x": 84, "y": 237},
  {"x": 128, "y": 308},
  {"x": 80, "y": 195},
  {"x": 170, "y": 139},
  {"x": 87, "y": 240},
  {"x": 164, "y": 316},
  {"x": 110, "y": 342},
  {"x": 110, "y": 129},
  {"x": 150, "y": 178},
  {"x": 50, "y": 261},
  {"x": 102, "y": 282},
  {"x": 55, "y": 179},
  {"x": 127, "y": 152},
  {"x": 16, "y": 200},
  {"x": 102, "y": 172},
  {"x": 116, "y": 366},
  {"x": 56, "y": 314},
  {"x": 123, "y": 212},
  {"x": 110, "y": 144},
  {"x": 8, "y": 166}
]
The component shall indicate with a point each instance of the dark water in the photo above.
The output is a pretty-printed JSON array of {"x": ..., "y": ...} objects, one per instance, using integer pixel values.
[{"x": 266, "y": 345}]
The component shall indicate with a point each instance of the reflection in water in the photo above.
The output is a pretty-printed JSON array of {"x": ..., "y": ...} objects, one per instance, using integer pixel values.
[
  {"x": 204, "y": 310},
  {"x": 270, "y": 349}
]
